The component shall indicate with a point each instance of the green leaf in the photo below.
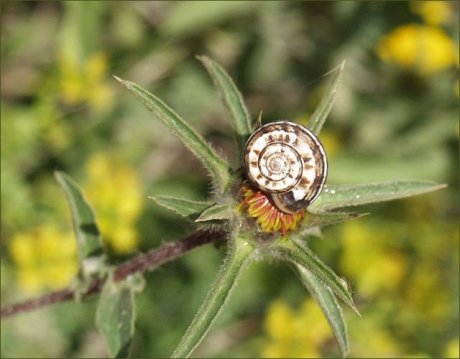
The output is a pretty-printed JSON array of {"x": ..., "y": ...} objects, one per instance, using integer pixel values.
[
  {"x": 429, "y": 164},
  {"x": 184, "y": 207},
  {"x": 237, "y": 260},
  {"x": 334, "y": 197},
  {"x": 90, "y": 247},
  {"x": 217, "y": 212},
  {"x": 232, "y": 99},
  {"x": 115, "y": 317},
  {"x": 218, "y": 168},
  {"x": 311, "y": 225},
  {"x": 325, "y": 219},
  {"x": 322, "y": 111},
  {"x": 329, "y": 305},
  {"x": 301, "y": 255}
]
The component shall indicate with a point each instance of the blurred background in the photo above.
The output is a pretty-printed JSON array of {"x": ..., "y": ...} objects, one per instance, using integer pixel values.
[{"x": 396, "y": 117}]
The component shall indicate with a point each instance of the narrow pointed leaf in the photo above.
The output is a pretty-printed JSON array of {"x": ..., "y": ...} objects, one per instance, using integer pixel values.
[
  {"x": 334, "y": 197},
  {"x": 331, "y": 308},
  {"x": 232, "y": 99},
  {"x": 90, "y": 247},
  {"x": 237, "y": 260},
  {"x": 217, "y": 212},
  {"x": 325, "y": 219},
  {"x": 322, "y": 111},
  {"x": 259, "y": 119},
  {"x": 115, "y": 317},
  {"x": 217, "y": 166},
  {"x": 182, "y": 206},
  {"x": 297, "y": 254},
  {"x": 313, "y": 222}
]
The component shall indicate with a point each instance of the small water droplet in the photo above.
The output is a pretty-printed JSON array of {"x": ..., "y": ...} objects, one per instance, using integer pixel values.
[
  {"x": 357, "y": 196},
  {"x": 332, "y": 191}
]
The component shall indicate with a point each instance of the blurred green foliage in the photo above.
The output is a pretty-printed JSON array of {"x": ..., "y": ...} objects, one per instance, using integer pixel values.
[{"x": 61, "y": 109}]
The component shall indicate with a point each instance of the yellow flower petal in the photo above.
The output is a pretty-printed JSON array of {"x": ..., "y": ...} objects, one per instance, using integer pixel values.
[
  {"x": 125, "y": 240},
  {"x": 96, "y": 66},
  {"x": 424, "y": 49},
  {"x": 433, "y": 12},
  {"x": 60, "y": 274},
  {"x": 278, "y": 321},
  {"x": 453, "y": 349},
  {"x": 22, "y": 249}
]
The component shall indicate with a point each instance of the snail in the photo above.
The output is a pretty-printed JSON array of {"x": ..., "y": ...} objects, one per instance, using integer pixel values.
[{"x": 287, "y": 162}]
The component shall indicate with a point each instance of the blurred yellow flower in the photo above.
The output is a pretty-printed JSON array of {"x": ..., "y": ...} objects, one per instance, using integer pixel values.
[
  {"x": 372, "y": 266},
  {"x": 424, "y": 294},
  {"x": 279, "y": 320},
  {"x": 370, "y": 338},
  {"x": 115, "y": 191},
  {"x": 21, "y": 250},
  {"x": 295, "y": 333},
  {"x": 57, "y": 135},
  {"x": 45, "y": 258},
  {"x": 80, "y": 83},
  {"x": 453, "y": 349},
  {"x": 433, "y": 12},
  {"x": 422, "y": 48}
]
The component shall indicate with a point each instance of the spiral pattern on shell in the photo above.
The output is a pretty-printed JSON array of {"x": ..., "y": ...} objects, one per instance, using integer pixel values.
[{"x": 287, "y": 161}]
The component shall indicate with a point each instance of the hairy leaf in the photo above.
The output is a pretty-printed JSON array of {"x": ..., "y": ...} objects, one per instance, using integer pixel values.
[
  {"x": 232, "y": 99},
  {"x": 326, "y": 299},
  {"x": 322, "y": 111},
  {"x": 218, "y": 167},
  {"x": 325, "y": 219},
  {"x": 90, "y": 247},
  {"x": 115, "y": 317},
  {"x": 298, "y": 254},
  {"x": 217, "y": 212},
  {"x": 313, "y": 223},
  {"x": 237, "y": 260},
  {"x": 184, "y": 207},
  {"x": 334, "y": 197}
]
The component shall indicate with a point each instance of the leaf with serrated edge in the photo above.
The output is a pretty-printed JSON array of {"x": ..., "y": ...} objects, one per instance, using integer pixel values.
[
  {"x": 115, "y": 317},
  {"x": 232, "y": 99},
  {"x": 184, "y": 207},
  {"x": 334, "y": 197},
  {"x": 218, "y": 167},
  {"x": 90, "y": 247},
  {"x": 326, "y": 299},
  {"x": 297, "y": 254},
  {"x": 322, "y": 111},
  {"x": 217, "y": 212},
  {"x": 237, "y": 260}
]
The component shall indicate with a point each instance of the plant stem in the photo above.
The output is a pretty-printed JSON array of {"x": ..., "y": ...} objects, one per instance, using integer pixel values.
[
  {"x": 237, "y": 260},
  {"x": 139, "y": 264}
]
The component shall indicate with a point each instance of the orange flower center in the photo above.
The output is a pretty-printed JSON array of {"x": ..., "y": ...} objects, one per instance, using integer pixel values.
[{"x": 259, "y": 205}]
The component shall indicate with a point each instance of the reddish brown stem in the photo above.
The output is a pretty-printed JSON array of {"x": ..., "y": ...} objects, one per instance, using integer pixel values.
[{"x": 139, "y": 264}]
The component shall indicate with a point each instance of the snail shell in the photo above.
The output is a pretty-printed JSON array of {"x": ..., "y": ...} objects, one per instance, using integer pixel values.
[{"x": 287, "y": 161}]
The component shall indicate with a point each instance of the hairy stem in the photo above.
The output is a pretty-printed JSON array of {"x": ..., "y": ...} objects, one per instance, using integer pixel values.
[
  {"x": 139, "y": 264},
  {"x": 237, "y": 260}
]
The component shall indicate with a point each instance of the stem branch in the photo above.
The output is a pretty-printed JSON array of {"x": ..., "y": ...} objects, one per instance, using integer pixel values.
[{"x": 139, "y": 264}]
